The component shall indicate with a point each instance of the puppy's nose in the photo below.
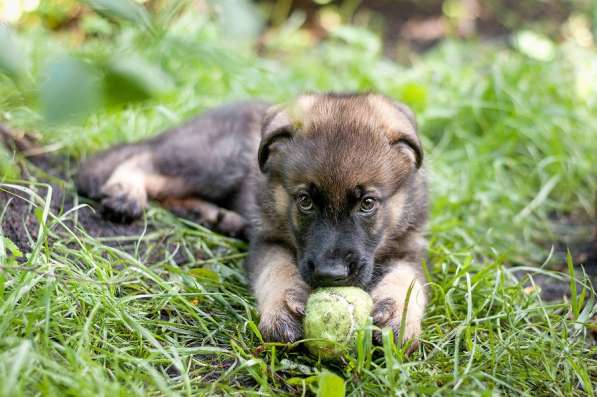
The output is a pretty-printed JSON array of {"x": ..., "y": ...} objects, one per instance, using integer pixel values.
[{"x": 331, "y": 273}]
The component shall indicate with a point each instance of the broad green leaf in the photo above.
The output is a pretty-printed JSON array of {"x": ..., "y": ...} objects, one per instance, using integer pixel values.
[
  {"x": 12, "y": 59},
  {"x": 71, "y": 89},
  {"x": 330, "y": 385},
  {"x": 122, "y": 9},
  {"x": 131, "y": 79}
]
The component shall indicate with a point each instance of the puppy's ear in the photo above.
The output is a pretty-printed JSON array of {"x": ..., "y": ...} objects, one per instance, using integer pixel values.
[
  {"x": 277, "y": 128},
  {"x": 404, "y": 135}
]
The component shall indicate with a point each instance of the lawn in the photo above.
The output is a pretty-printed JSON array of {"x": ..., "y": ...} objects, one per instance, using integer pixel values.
[{"x": 161, "y": 307}]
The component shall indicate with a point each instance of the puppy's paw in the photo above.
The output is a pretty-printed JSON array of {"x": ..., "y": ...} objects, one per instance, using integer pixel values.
[
  {"x": 283, "y": 322},
  {"x": 230, "y": 223},
  {"x": 387, "y": 312},
  {"x": 122, "y": 205}
]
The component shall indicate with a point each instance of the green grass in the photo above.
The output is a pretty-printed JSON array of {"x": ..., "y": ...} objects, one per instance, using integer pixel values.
[{"x": 510, "y": 146}]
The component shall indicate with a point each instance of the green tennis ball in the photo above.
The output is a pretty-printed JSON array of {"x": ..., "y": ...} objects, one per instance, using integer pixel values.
[{"x": 332, "y": 317}]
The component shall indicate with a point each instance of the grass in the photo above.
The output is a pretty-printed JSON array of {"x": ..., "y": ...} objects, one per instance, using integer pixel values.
[{"x": 510, "y": 146}]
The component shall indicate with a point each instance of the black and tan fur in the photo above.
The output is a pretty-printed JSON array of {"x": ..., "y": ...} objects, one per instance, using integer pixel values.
[{"x": 329, "y": 190}]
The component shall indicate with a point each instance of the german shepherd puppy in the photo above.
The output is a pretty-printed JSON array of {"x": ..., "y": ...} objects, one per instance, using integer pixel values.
[{"x": 329, "y": 190}]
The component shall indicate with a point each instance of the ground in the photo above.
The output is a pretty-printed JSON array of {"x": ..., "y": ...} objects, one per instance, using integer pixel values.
[{"x": 161, "y": 306}]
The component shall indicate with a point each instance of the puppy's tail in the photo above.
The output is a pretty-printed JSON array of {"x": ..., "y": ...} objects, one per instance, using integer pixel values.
[{"x": 95, "y": 171}]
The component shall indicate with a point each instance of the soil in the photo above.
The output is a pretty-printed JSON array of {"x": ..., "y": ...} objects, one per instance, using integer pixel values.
[
  {"x": 18, "y": 223},
  {"x": 578, "y": 235}
]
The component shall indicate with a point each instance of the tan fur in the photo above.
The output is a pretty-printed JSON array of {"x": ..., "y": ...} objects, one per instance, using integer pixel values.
[
  {"x": 279, "y": 291},
  {"x": 391, "y": 294},
  {"x": 301, "y": 111},
  {"x": 279, "y": 119},
  {"x": 161, "y": 186},
  {"x": 211, "y": 215},
  {"x": 129, "y": 178},
  {"x": 396, "y": 205},
  {"x": 280, "y": 200},
  {"x": 395, "y": 210},
  {"x": 207, "y": 211},
  {"x": 394, "y": 121},
  {"x": 137, "y": 179}
]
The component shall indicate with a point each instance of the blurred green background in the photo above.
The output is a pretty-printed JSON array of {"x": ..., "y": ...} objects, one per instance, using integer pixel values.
[{"x": 146, "y": 32}]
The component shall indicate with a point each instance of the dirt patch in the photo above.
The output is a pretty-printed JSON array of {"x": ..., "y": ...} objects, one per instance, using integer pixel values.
[
  {"x": 18, "y": 223},
  {"x": 577, "y": 234}
]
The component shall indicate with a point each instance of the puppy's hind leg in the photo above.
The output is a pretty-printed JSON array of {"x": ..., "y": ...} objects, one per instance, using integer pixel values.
[
  {"x": 124, "y": 194},
  {"x": 123, "y": 179},
  {"x": 210, "y": 215},
  {"x": 95, "y": 171}
]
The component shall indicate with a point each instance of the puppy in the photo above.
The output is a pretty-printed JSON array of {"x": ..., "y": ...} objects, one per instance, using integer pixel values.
[{"x": 329, "y": 191}]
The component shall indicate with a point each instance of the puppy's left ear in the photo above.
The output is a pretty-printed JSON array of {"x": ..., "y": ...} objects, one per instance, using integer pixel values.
[
  {"x": 403, "y": 133},
  {"x": 401, "y": 127},
  {"x": 276, "y": 129}
]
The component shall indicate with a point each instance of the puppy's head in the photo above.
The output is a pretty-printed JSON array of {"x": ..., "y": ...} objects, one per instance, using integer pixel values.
[{"x": 340, "y": 167}]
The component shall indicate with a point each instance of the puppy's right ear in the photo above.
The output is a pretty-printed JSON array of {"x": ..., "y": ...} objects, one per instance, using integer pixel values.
[{"x": 277, "y": 129}]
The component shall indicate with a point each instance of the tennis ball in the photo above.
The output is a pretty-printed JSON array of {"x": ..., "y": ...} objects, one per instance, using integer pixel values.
[{"x": 332, "y": 317}]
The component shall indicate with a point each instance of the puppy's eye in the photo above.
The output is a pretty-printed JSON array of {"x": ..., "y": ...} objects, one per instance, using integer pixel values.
[
  {"x": 304, "y": 202},
  {"x": 368, "y": 205}
]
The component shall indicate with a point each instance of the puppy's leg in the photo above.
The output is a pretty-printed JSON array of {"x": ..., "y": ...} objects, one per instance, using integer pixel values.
[
  {"x": 280, "y": 292},
  {"x": 124, "y": 195},
  {"x": 208, "y": 214},
  {"x": 389, "y": 299},
  {"x": 132, "y": 182},
  {"x": 95, "y": 171}
]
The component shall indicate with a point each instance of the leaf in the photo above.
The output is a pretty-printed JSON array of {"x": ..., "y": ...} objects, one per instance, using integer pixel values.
[
  {"x": 70, "y": 90},
  {"x": 8, "y": 169},
  {"x": 12, "y": 247},
  {"x": 203, "y": 273},
  {"x": 330, "y": 385},
  {"x": 131, "y": 78},
  {"x": 573, "y": 291},
  {"x": 12, "y": 59},
  {"x": 123, "y": 9},
  {"x": 364, "y": 345}
]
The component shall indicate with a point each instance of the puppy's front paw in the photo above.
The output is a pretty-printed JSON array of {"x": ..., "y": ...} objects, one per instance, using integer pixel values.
[
  {"x": 387, "y": 312},
  {"x": 282, "y": 321}
]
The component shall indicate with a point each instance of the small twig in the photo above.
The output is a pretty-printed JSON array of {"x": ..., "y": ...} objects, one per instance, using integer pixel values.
[{"x": 23, "y": 143}]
